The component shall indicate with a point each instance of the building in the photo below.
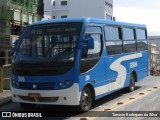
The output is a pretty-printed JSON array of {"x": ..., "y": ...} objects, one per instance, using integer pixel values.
[
  {"x": 154, "y": 40},
  {"x": 153, "y": 55},
  {"x": 78, "y": 8},
  {"x": 154, "y": 46},
  {"x": 14, "y": 16}
]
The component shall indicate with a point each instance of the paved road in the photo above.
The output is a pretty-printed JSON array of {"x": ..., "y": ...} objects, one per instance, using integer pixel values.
[{"x": 149, "y": 102}]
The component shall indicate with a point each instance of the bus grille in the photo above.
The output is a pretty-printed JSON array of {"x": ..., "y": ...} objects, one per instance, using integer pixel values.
[
  {"x": 36, "y": 86},
  {"x": 41, "y": 99}
]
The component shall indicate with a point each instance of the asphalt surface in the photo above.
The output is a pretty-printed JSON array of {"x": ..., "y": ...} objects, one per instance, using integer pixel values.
[{"x": 5, "y": 97}]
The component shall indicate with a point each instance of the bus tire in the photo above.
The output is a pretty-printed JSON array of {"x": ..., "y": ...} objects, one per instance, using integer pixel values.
[
  {"x": 27, "y": 106},
  {"x": 131, "y": 86},
  {"x": 85, "y": 100}
]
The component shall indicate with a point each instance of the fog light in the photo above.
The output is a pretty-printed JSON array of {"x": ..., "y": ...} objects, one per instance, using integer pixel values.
[{"x": 60, "y": 83}]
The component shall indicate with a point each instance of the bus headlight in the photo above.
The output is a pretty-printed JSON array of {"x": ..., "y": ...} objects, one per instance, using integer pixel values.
[{"x": 64, "y": 84}]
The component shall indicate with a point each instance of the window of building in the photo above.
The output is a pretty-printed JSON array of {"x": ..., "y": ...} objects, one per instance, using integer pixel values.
[
  {"x": 63, "y": 3},
  {"x": 142, "y": 43},
  {"x": 129, "y": 43},
  {"x": 54, "y": 3},
  {"x": 64, "y": 16},
  {"x": 108, "y": 4},
  {"x": 113, "y": 40},
  {"x": 108, "y": 17}
]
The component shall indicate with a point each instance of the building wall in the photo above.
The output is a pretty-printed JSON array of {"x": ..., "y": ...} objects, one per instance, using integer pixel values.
[
  {"x": 48, "y": 7},
  {"x": 87, "y": 8},
  {"x": 60, "y": 13},
  {"x": 153, "y": 55},
  {"x": 109, "y": 6},
  {"x": 79, "y": 8}
]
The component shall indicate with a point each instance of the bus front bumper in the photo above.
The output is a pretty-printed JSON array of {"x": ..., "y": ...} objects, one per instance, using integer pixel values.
[{"x": 69, "y": 96}]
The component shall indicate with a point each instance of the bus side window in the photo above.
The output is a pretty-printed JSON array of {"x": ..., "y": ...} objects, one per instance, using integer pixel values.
[
  {"x": 141, "y": 39},
  {"x": 113, "y": 40},
  {"x": 129, "y": 42}
]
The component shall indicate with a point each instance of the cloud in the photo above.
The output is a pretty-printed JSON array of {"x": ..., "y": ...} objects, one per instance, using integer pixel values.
[{"x": 142, "y": 16}]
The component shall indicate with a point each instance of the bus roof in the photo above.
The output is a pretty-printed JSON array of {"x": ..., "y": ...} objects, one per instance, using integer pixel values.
[{"x": 89, "y": 20}]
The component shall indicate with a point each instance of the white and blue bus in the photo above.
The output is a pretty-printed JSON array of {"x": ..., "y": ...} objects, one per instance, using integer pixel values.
[{"x": 73, "y": 61}]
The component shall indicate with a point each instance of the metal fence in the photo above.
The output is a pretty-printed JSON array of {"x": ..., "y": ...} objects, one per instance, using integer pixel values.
[{"x": 5, "y": 77}]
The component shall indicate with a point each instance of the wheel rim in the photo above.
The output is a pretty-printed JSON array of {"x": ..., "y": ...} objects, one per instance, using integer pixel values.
[{"x": 85, "y": 100}]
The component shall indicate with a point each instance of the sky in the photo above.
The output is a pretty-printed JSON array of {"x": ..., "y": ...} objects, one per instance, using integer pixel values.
[{"x": 139, "y": 11}]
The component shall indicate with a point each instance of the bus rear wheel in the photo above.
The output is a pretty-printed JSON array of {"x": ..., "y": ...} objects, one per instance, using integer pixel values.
[
  {"x": 27, "y": 106},
  {"x": 85, "y": 100},
  {"x": 131, "y": 86}
]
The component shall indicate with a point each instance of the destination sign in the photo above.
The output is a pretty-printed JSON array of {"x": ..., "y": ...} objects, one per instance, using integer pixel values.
[{"x": 53, "y": 30}]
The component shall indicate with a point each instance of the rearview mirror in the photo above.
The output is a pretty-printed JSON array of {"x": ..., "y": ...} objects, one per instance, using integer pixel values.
[
  {"x": 14, "y": 46},
  {"x": 89, "y": 42}
]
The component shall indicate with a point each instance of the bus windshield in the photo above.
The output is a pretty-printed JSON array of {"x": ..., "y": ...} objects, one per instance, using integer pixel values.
[
  {"x": 49, "y": 43},
  {"x": 49, "y": 47}
]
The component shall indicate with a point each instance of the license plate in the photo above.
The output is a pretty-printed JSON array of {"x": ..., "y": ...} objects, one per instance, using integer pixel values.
[{"x": 35, "y": 95}]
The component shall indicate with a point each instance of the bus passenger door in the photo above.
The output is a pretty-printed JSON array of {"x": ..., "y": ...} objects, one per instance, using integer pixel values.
[{"x": 92, "y": 62}]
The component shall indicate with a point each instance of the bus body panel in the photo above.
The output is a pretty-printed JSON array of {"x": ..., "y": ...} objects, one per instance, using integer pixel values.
[
  {"x": 36, "y": 86},
  {"x": 42, "y": 82},
  {"x": 118, "y": 71},
  {"x": 69, "y": 96},
  {"x": 95, "y": 77}
]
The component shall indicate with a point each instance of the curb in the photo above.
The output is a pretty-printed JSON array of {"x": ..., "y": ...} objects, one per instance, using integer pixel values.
[{"x": 5, "y": 99}]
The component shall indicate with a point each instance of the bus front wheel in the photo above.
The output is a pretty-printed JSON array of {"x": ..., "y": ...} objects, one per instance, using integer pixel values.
[
  {"x": 131, "y": 86},
  {"x": 85, "y": 100}
]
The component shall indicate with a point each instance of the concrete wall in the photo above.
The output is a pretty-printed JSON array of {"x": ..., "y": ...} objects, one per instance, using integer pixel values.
[
  {"x": 79, "y": 8},
  {"x": 109, "y": 6},
  {"x": 87, "y": 8},
  {"x": 48, "y": 7},
  {"x": 60, "y": 13}
]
